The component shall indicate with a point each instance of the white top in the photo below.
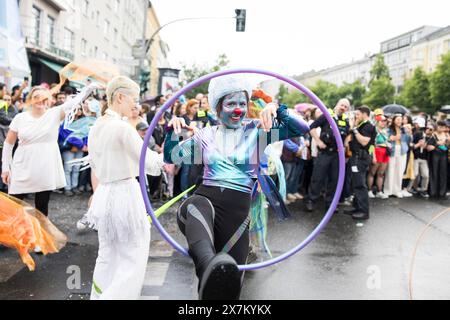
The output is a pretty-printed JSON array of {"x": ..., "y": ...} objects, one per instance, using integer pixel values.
[
  {"x": 115, "y": 150},
  {"x": 37, "y": 164}
]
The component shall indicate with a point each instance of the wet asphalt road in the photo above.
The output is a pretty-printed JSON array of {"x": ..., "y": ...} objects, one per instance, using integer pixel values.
[{"x": 347, "y": 261}]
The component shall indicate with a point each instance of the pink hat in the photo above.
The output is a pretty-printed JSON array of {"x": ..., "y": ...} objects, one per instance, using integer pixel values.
[{"x": 303, "y": 107}]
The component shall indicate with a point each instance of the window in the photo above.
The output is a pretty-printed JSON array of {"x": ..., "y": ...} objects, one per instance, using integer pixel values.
[
  {"x": 116, "y": 6},
  {"x": 68, "y": 40},
  {"x": 50, "y": 31},
  {"x": 97, "y": 19},
  {"x": 85, "y": 7},
  {"x": 106, "y": 28},
  {"x": 116, "y": 37},
  {"x": 35, "y": 33},
  {"x": 83, "y": 47}
]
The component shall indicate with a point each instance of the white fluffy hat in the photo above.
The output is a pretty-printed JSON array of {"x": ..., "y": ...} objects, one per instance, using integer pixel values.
[{"x": 225, "y": 85}]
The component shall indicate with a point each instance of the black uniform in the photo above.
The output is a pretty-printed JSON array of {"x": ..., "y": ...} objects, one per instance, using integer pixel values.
[
  {"x": 326, "y": 167},
  {"x": 359, "y": 166}
]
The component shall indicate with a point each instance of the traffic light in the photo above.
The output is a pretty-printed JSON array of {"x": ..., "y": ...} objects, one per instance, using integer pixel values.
[
  {"x": 240, "y": 19},
  {"x": 144, "y": 79}
]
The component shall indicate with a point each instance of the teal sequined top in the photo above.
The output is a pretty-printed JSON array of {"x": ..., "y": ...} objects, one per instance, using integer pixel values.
[{"x": 231, "y": 157}]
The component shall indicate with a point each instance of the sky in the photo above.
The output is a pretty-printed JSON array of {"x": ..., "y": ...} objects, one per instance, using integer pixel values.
[{"x": 290, "y": 36}]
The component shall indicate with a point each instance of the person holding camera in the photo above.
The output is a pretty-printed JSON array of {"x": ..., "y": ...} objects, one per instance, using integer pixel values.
[
  {"x": 361, "y": 142},
  {"x": 327, "y": 162}
]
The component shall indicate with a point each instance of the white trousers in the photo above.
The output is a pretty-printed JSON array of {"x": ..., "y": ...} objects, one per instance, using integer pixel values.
[
  {"x": 394, "y": 174},
  {"x": 120, "y": 270},
  {"x": 118, "y": 213}
]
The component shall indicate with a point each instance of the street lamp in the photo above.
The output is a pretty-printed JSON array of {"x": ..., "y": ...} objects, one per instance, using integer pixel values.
[{"x": 241, "y": 15}]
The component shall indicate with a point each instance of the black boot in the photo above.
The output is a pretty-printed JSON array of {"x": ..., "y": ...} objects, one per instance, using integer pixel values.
[
  {"x": 221, "y": 280},
  {"x": 360, "y": 216}
]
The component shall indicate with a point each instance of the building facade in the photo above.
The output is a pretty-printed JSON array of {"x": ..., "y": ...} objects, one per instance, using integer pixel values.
[
  {"x": 61, "y": 31},
  {"x": 426, "y": 53},
  {"x": 158, "y": 53},
  {"x": 397, "y": 52}
]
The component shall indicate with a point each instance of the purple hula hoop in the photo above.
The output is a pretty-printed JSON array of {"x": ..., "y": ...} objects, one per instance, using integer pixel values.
[{"x": 295, "y": 84}]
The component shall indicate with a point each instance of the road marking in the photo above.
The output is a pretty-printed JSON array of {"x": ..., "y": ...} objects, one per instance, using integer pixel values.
[
  {"x": 149, "y": 298},
  {"x": 156, "y": 273}
]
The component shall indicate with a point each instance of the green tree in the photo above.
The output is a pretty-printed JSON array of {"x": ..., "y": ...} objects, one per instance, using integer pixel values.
[
  {"x": 282, "y": 93},
  {"x": 353, "y": 91},
  {"x": 440, "y": 83},
  {"x": 416, "y": 92},
  {"x": 379, "y": 69},
  {"x": 381, "y": 92},
  {"x": 291, "y": 99},
  {"x": 327, "y": 92},
  {"x": 192, "y": 73}
]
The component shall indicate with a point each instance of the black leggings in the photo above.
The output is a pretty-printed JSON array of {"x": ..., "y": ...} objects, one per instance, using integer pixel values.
[
  {"x": 41, "y": 200},
  {"x": 222, "y": 212}
]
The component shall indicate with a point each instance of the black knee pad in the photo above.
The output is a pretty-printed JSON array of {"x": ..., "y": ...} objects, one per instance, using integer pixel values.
[{"x": 200, "y": 203}]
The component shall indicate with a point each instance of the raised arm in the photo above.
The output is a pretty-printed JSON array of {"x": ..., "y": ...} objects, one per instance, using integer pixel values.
[
  {"x": 68, "y": 109},
  {"x": 176, "y": 152},
  {"x": 284, "y": 127}
]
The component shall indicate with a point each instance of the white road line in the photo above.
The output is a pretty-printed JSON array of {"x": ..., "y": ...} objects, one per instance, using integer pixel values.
[
  {"x": 149, "y": 298},
  {"x": 156, "y": 273}
]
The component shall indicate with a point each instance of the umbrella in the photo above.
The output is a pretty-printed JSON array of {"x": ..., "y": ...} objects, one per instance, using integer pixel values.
[
  {"x": 445, "y": 109},
  {"x": 392, "y": 109}
]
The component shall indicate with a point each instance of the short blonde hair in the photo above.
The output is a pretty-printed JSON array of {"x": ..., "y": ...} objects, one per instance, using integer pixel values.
[{"x": 120, "y": 83}]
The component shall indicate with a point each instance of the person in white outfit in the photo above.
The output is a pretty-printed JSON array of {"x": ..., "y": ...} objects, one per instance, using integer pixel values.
[
  {"x": 37, "y": 166},
  {"x": 117, "y": 210},
  {"x": 400, "y": 141}
]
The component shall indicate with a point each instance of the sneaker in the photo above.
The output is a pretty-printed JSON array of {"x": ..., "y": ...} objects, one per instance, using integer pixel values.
[
  {"x": 371, "y": 195},
  {"x": 77, "y": 191},
  {"x": 221, "y": 279},
  {"x": 58, "y": 191},
  {"x": 298, "y": 196},
  {"x": 88, "y": 188},
  {"x": 381, "y": 195},
  {"x": 406, "y": 194},
  {"x": 291, "y": 197},
  {"x": 83, "y": 224},
  {"x": 346, "y": 203},
  {"x": 68, "y": 193},
  {"x": 37, "y": 249},
  {"x": 398, "y": 195},
  {"x": 423, "y": 194}
]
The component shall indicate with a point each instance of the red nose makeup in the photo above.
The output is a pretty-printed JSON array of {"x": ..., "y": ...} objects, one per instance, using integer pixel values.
[{"x": 238, "y": 112}]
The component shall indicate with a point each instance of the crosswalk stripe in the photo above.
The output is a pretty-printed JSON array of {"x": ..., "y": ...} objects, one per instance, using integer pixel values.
[{"x": 155, "y": 274}]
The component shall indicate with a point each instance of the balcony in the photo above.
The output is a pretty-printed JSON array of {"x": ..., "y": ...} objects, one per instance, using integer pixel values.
[{"x": 57, "y": 4}]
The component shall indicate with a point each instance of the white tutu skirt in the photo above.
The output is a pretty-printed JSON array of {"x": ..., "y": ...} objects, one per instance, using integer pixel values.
[{"x": 118, "y": 212}]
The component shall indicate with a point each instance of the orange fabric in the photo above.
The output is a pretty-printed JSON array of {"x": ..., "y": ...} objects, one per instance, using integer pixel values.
[
  {"x": 22, "y": 227},
  {"x": 259, "y": 94}
]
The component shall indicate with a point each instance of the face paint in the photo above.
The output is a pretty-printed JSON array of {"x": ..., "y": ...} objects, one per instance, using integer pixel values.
[{"x": 234, "y": 109}]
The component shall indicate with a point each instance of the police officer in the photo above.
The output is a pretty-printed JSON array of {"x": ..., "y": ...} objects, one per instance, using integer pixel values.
[
  {"x": 361, "y": 143},
  {"x": 326, "y": 167}
]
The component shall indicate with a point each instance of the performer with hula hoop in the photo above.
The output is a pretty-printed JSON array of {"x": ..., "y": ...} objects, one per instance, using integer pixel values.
[{"x": 215, "y": 219}]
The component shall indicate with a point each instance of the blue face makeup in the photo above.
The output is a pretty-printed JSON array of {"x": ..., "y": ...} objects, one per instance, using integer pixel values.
[{"x": 234, "y": 109}]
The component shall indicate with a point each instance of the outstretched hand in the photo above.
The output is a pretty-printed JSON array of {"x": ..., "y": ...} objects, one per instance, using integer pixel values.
[
  {"x": 179, "y": 123},
  {"x": 266, "y": 116}
]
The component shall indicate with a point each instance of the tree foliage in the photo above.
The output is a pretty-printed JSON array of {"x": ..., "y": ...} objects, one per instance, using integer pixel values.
[
  {"x": 193, "y": 72},
  {"x": 416, "y": 92},
  {"x": 440, "y": 83}
]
